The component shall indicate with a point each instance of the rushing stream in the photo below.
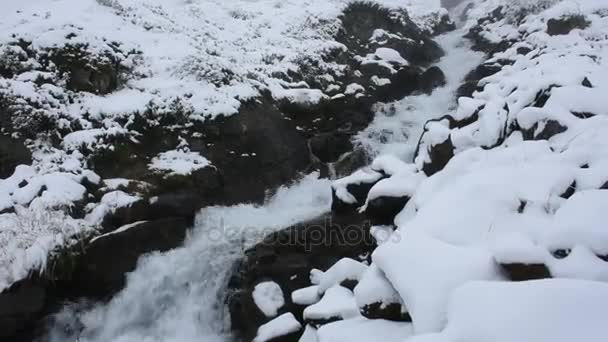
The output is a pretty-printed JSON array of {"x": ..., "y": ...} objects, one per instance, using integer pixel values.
[{"x": 178, "y": 296}]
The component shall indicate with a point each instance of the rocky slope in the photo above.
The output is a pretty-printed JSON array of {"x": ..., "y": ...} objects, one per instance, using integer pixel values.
[{"x": 132, "y": 137}]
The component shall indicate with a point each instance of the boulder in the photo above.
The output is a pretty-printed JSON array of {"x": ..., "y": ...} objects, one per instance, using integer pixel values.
[
  {"x": 382, "y": 210},
  {"x": 550, "y": 129},
  {"x": 564, "y": 25},
  {"x": 101, "y": 269},
  {"x": 439, "y": 155},
  {"x": 19, "y": 306},
  {"x": 432, "y": 78}
]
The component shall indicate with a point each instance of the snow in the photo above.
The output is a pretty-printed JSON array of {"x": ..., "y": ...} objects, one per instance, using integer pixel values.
[
  {"x": 375, "y": 288},
  {"x": 337, "y": 303},
  {"x": 555, "y": 310},
  {"x": 344, "y": 269},
  {"x": 268, "y": 297},
  {"x": 306, "y": 296},
  {"x": 391, "y": 56},
  {"x": 178, "y": 162},
  {"x": 434, "y": 269},
  {"x": 280, "y": 326},
  {"x": 363, "y": 176},
  {"x": 361, "y": 329}
]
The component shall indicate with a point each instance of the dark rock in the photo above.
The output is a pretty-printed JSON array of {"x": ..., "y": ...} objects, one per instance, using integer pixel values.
[
  {"x": 382, "y": 210},
  {"x": 550, "y": 129},
  {"x": 432, "y": 78},
  {"x": 570, "y": 190},
  {"x": 566, "y": 24},
  {"x": 100, "y": 273},
  {"x": 351, "y": 162},
  {"x": 440, "y": 155},
  {"x": 561, "y": 253},
  {"x": 349, "y": 284},
  {"x": 277, "y": 151},
  {"x": 19, "y": 306},
  {"x": 391, "y": 312},
  {"x": 404, "y": 82},
  {"x": 317, "y": 323},
  {"x": 542, "y": 97},
  {"x": 523, "y": 50},
  {"x": 287, "y": 257},
  {"x": 523, "y": 272},
  {"x": 203, "y": 182},
  {"x": 12, "y": 153},
  {"x": 329, "y": 147},
  {"x": 586, "y": 83},
  {"x": 583, "y": 115},
  {"x": 444, "y": 25},
  {"x": 471, "y": 81}
]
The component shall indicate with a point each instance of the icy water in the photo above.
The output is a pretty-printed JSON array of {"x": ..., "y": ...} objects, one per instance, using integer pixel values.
[{"x": 178, "y": 296}]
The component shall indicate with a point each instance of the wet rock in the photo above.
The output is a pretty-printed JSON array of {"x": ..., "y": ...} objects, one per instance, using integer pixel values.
[
  {"x": 287, "y": 257},
  {"x": 550, "y": 129},
  {"x": 255, "y": 151},
  {"x": 523, "y": 272},
  {"x": 382, "y": 210},
  {"x": 329, "y": 147},
  {"x": 440, "y": 155},
  {"x": 391, "y": 312},
  {"x": 471, "y": 81},
  {"x": 19, "y": 306},
  {"x": 12, "y": 153},
  {"x": 565, "y": 25},
  {"x": 432, "y": 78},
  {"x": 351, "y": 162},
  {"x": 404, "y": 82},
  {"x": 445, "y": 24},
  {"x": 101, "y": 270}
]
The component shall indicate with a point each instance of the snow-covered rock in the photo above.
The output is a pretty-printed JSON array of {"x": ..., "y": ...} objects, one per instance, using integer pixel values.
[
  {"x": 338, "y": 303},
  {"x": 341, "y": 273},
  {"x": 269, "y": 298},
  {"x": 281, "y": 326}
]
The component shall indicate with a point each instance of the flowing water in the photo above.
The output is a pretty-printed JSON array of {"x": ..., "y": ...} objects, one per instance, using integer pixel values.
[{"x": 178, "y": 296}]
